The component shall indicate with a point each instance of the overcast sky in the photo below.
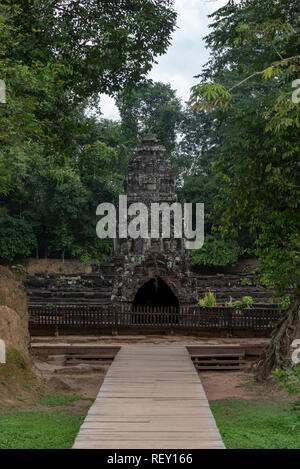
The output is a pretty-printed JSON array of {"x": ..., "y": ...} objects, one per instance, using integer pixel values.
[{"x": 186, "y": 54}]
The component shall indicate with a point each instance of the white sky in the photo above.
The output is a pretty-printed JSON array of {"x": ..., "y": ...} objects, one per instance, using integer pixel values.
[{"x": 186, "y": 54}]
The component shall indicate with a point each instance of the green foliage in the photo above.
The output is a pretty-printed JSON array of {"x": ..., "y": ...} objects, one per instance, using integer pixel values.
[
  {"x": 85, "y": 258},
  {"x": 285, "y": 301},
  {"x": 20, "y": 269},
  {"x": 288, "y": 378},
  {"x": 247, "y": 301},
  {"x": 229, "y": 303},
  {"x": 259, "y": 145},
  {"x": 16, "y": 237},
  {"x": 151, "y": 108},
  {"x": 209, "y": 299},
  {"x": 95, "y": 44},
  {"x": 245, "y": 281},
  {"x": 209, "y": 96},
  {"x": 58, "y": 204},
  {"x": 200, "y": 188},
  {"x": 14, "y": 357},
  {"x": 216, "y": 252},
  {"x": 255, "y": 424},
  {"x": 56, "y": 164},
  {"x": 238, "y": 304}
]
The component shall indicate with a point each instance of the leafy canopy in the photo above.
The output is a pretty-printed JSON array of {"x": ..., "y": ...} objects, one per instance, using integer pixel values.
[{"x": 247, "y": 84}]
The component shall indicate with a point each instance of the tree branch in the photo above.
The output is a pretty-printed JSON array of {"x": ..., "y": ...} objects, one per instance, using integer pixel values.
[
  {"x": 263, "y": 71},
  {"x": 246, "y": 79}
]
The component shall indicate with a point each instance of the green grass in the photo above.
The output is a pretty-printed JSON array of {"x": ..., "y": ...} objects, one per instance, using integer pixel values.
[
  {"x": 38, "y": 430},
  {"x": 54, "y": 399},
  {"x": 256, "y": 424},
  {"x": 247, "y": 424}
]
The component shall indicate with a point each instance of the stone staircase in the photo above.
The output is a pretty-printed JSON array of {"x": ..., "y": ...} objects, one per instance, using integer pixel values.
[
  {"x": 225, "y": 286},
  {"x": 68, "y": 289},
  {"x": 97, "y": 287}
]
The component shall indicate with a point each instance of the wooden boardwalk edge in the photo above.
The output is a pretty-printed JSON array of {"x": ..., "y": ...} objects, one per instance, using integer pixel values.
[{"x": 151, "y": 398}]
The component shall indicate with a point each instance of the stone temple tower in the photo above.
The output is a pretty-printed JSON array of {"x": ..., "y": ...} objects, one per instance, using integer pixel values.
[
  {"x": 150, "y": 271},
  {"x": 149, "y": 179}
]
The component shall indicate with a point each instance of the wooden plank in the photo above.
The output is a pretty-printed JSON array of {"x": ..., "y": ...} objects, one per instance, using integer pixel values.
[{"x": 152, "y": 398}]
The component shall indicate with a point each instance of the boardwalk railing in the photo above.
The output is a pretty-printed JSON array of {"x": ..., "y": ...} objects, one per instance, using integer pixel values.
[{"x": 128, "y": 316}]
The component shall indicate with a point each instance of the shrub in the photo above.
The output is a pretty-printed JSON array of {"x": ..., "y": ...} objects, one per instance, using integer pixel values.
[
  {"x": 288, "y": 378},
  {"x": 237, "y": 304},
  {"x": 208, "y": 300},
  {"x": 216, "y": 252},
  {"x": 247, "y": 301},
  {"x": 229, "y": 303}
]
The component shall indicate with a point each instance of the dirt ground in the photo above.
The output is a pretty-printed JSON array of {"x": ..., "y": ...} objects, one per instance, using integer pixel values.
[
  {"x": 60, "y": 379},
  {"x": 149, "y": 339},
  {"x": 217, "y": 385},
  {"x": 237, "y": 384}
]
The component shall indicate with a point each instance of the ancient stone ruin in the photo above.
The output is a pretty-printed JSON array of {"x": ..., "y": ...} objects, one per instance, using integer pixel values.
[{"x": 150, "y": 272}]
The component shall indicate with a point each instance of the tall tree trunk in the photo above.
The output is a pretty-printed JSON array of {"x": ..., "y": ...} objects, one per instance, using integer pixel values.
[{"x": 278, "y": 352}]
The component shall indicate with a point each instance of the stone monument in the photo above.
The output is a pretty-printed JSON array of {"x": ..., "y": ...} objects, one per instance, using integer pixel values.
[{"x": 149, "y": 271}]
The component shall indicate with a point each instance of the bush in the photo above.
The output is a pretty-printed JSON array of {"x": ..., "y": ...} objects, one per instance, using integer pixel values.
[
  {"x": 208, "y": 300},
  {"x": 237, "y": 304},
  {"x": 288, "y": 378},
  {"x": 16, "y": 237},
  {"x": 216, "y": 252},
  {"x": 229, "y": 303},
  {"x": 246, "y": 302}
]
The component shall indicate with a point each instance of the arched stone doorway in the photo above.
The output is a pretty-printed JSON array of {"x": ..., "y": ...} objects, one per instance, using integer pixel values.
[{"x": 155, "y": 292}]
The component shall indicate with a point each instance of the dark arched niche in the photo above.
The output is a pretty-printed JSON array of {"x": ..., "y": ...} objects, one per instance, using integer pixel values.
[{"x": 155, "y": 292}]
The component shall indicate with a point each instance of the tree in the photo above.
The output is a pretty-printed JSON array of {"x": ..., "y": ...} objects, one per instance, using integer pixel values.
[
  {"x": 216, "y": 251},
  {"x": 101, "y": 46},
  {"x": 195, "y": 152},
  {"x": 259, "y": 163},
  {"x": 101, "y": 175},
  {"x": 61, "y": 54},
  {"x": 151, "y": 108},
  {"x": 55, "y": 57},
  {"x": 87, "y": 48},
  {"x": 16, "y": 237}
]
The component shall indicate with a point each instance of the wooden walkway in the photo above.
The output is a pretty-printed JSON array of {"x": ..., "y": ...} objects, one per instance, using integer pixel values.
[{"x": 151, "y": 398}]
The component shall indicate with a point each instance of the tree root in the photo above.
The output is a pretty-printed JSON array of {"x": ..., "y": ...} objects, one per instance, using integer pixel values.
[{"x": 278, "y": 351}]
